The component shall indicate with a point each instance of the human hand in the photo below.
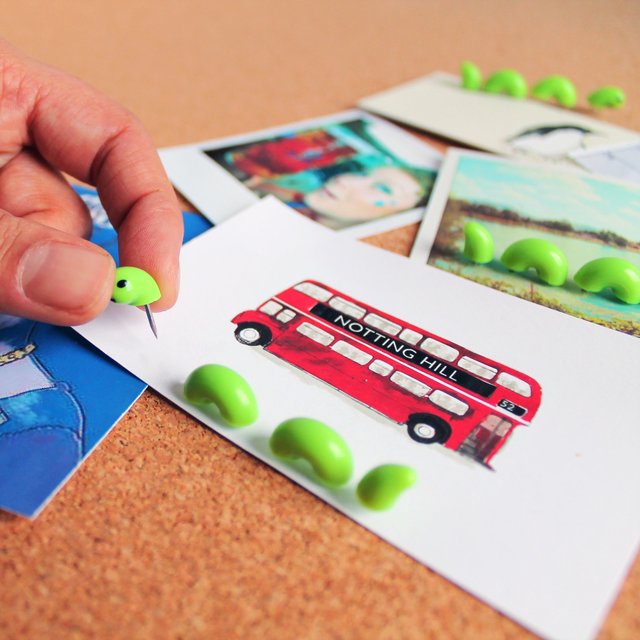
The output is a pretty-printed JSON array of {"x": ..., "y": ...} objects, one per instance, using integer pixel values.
[{"x": 51, "y": 123}]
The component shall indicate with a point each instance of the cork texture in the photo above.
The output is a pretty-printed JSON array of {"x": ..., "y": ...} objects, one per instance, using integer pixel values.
[{"x": 168, "y": 530}]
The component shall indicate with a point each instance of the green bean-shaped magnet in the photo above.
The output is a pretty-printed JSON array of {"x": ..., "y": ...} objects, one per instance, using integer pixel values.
[
  {"x": 471, "y": 76},
  {"x": 227, "y": 390},
  {"x": 548, "y": 260},
  {"x": 558, "y": 88},
  {"x": 323, "y": 448},
  {"x": 607, "y": 98},
  {"x": 619, "y": 274},
  {"x": 507, "y": 81},
  {"x": 381, "y": 487},
  {"x": 478, "y": 243}
]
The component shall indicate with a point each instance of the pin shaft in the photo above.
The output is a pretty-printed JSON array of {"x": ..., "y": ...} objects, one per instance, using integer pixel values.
[{"x": 152, "y": 322}]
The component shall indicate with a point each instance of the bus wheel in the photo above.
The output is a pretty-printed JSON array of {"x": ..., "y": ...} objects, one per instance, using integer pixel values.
[
  {"x": 253, "y": 333},
  {"x": 428, "y": 429}
]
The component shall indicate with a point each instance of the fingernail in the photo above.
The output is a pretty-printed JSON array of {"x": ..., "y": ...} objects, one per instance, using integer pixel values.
[{"x": 64, "y": 276}]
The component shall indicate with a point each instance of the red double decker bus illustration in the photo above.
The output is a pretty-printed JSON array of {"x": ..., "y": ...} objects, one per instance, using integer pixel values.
[{"x": 443, "y": 393}]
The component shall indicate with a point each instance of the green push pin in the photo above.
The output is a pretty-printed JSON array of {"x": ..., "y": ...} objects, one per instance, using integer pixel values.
[
  {"x": 478, "y": 243},
  {"x": 471, "y": 76},
  {"x": 381, "y": 487},
  {"x": 509, "y": 82},
  {"x": 548, "y": 260},
  {"x": 321, "y": 446},
  {"x": 558, "y": 88},
  {"x": 136, "y": 287},
  {"x": 619, "y": 274},
  {"x": 607, "y": 97},
  {"x": 228, "y": 390}
]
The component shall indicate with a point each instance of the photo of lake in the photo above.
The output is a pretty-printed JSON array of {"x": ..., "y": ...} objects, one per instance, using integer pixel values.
[{"x": 585, "y": 216}]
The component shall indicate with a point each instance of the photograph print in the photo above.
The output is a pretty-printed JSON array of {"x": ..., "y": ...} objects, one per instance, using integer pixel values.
[
  {"x": 339, "y": 173},
  {"x": 584, "y": 216}
]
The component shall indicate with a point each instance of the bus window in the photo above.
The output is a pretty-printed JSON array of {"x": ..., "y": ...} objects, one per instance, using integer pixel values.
[
  {"x": 515, "y": 384},
  {"x": 339, "y": 304},
  {"x": 448, "y": 403},
  {"x": 439, "y": 349},
  {"x": 485, "y": 437},
  {"x": 378, "y": 322},
  {"x": 411, "y": 336},
  {"x": 381, "y": 368},
  {"x": 351, "y": 352},
  {"x": 271, "y": 307},
  {"x": 501, "y": 427},
  {"x": 413, "y": 386},
  {"x": 317, "y": 335},
  {"x": 314, "y": 291},
  {"x": 480, "y": 369},
  {"x": 286, "y": 315}
]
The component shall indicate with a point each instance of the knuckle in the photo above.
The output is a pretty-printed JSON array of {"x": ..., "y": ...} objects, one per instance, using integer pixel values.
[
  {"x": 123, "y": 126},
  {"x": 123, "y": 122},
  {"x": 11, "y": 75},
  {"x": 9, "y": 237},
  {"x": 16, "y": 96}
]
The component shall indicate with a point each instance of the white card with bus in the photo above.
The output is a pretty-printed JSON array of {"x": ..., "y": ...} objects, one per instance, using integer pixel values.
[{"x": 521, "y": 422}]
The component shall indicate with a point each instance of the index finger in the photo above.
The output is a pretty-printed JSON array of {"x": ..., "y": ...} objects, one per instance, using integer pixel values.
[{"x": 92, "y": 138}]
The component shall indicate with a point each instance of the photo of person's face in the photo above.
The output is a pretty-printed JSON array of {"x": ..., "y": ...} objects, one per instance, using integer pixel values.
[
  {"x": 355, "y": 197},
  {"x": 347, "y": 173}
]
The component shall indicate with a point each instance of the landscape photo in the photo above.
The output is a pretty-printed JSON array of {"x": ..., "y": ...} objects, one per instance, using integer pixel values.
[{"x": 585, "y": 216}]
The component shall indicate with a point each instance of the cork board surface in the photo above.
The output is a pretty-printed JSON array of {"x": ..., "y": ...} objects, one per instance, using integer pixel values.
[{"x": 168, "y": 530}]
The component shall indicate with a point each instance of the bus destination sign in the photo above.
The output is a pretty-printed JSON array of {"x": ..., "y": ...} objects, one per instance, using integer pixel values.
[{"x": 404, "y": 351}]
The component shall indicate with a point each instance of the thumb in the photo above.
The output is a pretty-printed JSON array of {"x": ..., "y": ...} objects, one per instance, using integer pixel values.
[{"x": 49, "y": 275}]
